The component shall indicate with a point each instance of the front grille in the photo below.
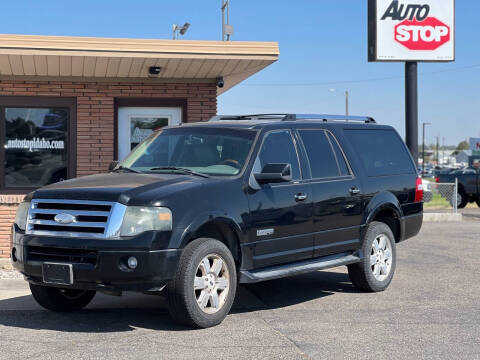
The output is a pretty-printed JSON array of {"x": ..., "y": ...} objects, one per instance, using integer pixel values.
[
  {"x": 84, "y": 218},
  {"x": 48, "y": 254}
]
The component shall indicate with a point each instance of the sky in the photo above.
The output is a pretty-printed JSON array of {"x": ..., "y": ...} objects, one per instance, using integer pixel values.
[{"x": 323, "y": 52}]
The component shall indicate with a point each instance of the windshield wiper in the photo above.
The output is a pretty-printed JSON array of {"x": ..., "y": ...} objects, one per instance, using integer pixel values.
[
  {"x": 123, "y": 168},
  {"x": 180, "y": 169}
]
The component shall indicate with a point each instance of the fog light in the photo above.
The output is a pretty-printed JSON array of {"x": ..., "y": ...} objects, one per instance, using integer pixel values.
[{"x": 132, "y": 262}]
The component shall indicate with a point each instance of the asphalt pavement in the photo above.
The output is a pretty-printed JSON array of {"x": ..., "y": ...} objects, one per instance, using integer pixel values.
[{"x": 430, "y": 311}]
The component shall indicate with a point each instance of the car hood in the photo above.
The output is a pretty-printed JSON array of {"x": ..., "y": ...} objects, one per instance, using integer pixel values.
[{"x": 117, "y": 187}]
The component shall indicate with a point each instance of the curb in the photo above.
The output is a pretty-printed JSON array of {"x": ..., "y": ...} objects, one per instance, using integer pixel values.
[{"x": 442, "y": 217}]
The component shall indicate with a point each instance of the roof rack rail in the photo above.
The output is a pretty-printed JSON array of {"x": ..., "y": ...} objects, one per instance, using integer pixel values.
[
  {"x": 281, "y": 117},
  {"x": 326, "y": 117},
  {"x": 294, "y": 117}
]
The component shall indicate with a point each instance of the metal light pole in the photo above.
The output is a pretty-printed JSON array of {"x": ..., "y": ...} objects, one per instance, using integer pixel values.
[
  {"x": 411, "y": 108},
  {"x": 423, "y": 148},
  {"x": 346, "y": 102},
  {"x": 443, "y": 149},
  {"x": 177, "y": 29},
  {"x": 227, "y": 29}
]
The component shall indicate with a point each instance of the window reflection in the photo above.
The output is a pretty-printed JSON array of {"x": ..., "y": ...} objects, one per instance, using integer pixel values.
[{"x": 35, "y": 146}]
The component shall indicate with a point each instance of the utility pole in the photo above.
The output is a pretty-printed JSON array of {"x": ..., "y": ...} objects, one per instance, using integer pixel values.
[
  {"x": 346, "y": 102},
  {"x": 437, "y": 137},
  {"x": 423, "y": 148}
]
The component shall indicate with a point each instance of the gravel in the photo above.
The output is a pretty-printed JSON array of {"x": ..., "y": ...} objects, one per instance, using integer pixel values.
[{"x": 10, "y": 274}]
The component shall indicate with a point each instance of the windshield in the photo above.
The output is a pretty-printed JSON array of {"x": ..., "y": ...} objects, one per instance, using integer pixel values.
[{"x": 211, "y": 151}]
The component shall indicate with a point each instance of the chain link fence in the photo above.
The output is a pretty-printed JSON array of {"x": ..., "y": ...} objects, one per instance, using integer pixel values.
[{"x": 440, "y": 195}]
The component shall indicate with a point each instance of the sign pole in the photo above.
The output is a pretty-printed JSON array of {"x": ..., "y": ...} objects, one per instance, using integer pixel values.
[{"x": 411, "y": 108}]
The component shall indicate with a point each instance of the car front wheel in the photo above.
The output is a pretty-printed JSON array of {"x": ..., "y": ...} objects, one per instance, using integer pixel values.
[
  {"x": 375, "y": 271},
  {"x": 202, "y": 292}
]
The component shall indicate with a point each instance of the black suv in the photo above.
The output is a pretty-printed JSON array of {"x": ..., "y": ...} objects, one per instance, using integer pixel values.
[{"x": 199, "y": 208}]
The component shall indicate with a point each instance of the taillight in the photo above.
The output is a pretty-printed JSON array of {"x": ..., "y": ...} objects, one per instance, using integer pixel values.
[
  {"x": 437, "y": 180},
  {"x": 418, "y": 190}
]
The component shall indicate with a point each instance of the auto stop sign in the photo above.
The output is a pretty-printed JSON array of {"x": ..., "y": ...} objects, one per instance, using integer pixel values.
[
  {"x": 429, "y": 34},
  {"x": 411, "y": 30}
]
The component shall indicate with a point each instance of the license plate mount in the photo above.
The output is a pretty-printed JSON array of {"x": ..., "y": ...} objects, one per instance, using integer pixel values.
[{"x": 57, "y": 273}]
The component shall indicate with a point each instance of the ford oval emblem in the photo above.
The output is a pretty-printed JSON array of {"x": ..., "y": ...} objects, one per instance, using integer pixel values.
[{"x": 64, "y": 218}]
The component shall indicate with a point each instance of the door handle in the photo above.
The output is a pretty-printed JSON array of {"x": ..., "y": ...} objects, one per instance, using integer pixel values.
[
  {"x": 354, "y": 191},
  {"x": 300, "y": 197}
]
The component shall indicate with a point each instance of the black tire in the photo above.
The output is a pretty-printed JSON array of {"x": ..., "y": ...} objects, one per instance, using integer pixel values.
[
  {"x": 182, "y": 300},
  {"x": 478, "y": 201},
  {"x": 463, "y": 198},
  {"x": 61, "y": 300},
  {"x": 361, "y": 274}
]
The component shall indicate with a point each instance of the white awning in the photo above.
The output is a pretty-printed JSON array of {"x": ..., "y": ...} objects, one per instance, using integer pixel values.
[{"x": 107, "y": 58}]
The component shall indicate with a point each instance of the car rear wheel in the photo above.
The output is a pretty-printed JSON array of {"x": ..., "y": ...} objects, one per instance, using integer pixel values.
[
  {"x": 202, "y": 292},
  {"x": 61, "y": 300},
  {"x": 375, "y": 271},
  {"x": 478, "y": 201}
]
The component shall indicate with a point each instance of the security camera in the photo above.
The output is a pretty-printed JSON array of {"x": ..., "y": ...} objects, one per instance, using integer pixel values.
[
  {"x": 220, "y": 82},
  {"x": 154, "y": 70}
]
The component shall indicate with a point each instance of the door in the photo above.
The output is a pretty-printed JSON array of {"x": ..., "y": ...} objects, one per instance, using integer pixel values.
[
  {"x": 337, "y": 204},
  {"x": 280, "y": 216},
  {"x": 136, "y": 123}
]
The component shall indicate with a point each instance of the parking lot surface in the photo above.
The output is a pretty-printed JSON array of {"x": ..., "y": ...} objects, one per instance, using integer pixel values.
[{"x": 430, "y": 311}]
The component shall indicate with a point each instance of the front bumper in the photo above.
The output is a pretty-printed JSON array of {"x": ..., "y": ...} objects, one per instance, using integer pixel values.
[{"x": 97, "y": 264}]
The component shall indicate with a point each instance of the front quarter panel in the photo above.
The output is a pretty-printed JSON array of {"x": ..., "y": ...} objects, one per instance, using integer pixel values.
[{"x": 219, "y": 200}]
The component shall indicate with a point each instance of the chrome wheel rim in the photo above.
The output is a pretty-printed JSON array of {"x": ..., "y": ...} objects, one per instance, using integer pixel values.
[
  {"x": 381, "y": 257},
  {"x": 211, "y": 284},
  {"x": 459, "y": 199}
]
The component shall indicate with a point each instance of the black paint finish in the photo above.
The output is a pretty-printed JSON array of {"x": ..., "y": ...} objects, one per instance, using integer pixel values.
[{"x": 264, "y": 225}]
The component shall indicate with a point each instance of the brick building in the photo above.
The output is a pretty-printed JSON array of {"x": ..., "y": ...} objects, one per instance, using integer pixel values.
[{"x": 71, "y": 105}]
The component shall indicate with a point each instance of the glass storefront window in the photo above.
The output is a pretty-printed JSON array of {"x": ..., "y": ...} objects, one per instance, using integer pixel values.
[{"x": 35, "y": 146}]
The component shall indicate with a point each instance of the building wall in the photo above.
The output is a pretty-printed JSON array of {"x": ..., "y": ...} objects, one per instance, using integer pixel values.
[{"x": 96, "y": 122}]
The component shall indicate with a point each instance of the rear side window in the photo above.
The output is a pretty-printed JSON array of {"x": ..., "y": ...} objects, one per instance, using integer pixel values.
[
  {"x": 320, "y": 154},
  {"x": 382, "y": 152},
  {"x": 342, "y": 164}
]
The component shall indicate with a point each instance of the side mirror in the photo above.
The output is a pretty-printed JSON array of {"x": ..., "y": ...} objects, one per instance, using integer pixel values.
[
  {"x": 112, "y": 165},
  {"x": 274, "y": 173}
]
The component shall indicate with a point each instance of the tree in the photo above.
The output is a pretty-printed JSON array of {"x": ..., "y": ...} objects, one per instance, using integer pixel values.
[{"x": 462, "y": 145}]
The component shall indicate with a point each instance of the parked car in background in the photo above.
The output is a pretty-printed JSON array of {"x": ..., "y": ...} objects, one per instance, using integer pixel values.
[
  {"x": 468, "y": 185},
  {"x": 427, "y": 171},
  {"x": 443, "y": 170}
]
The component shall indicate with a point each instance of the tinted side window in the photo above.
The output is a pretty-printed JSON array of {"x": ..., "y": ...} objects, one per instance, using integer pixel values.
[
  {"x": 381, "y": 152},
  {"x": 320, "y": 155},
  {"x": 278, "y": 148},
  {"x": 342, "y": 164}
]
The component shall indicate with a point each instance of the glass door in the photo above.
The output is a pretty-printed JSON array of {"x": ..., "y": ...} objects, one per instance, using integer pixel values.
[{"x": 137, "y": 123}]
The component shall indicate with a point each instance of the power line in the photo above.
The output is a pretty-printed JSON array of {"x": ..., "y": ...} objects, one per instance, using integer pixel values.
[{"x": 362, "y": 80}]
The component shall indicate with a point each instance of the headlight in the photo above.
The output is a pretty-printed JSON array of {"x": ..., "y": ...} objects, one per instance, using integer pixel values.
[
  {"x": 21, "y": 216},
  {"x": 138, "y": 219}
]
